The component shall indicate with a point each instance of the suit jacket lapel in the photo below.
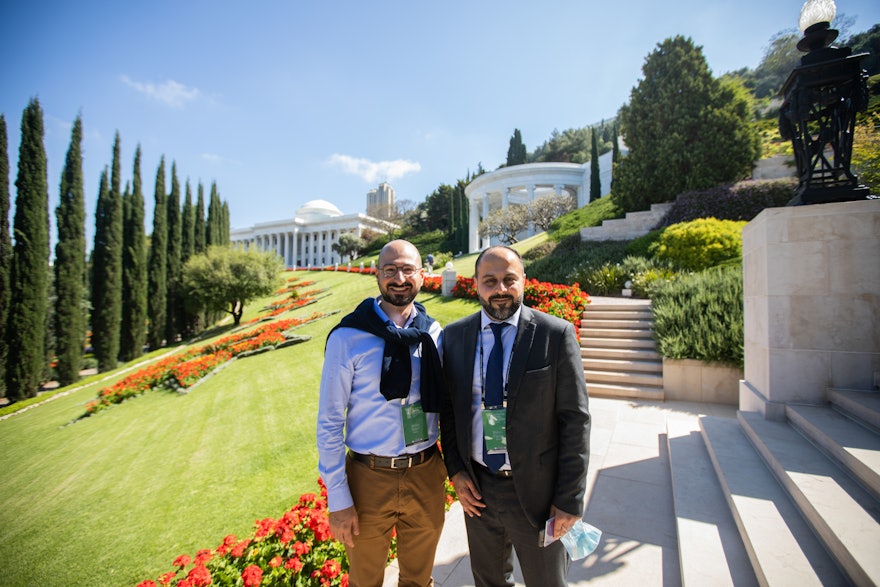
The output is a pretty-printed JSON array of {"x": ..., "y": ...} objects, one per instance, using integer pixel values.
[{"x": 522, "y": 346}]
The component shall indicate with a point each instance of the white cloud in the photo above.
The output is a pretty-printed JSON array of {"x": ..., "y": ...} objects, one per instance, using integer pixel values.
[
  {"x": 372, "y": 171},
  {"x": 171, "y": 93}
]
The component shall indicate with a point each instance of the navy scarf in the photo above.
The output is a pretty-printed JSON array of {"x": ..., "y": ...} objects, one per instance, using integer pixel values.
[{"x": 396, "y": 360}]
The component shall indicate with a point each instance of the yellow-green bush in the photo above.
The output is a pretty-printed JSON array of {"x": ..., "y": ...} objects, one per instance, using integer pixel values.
[{"x": 700, "y": 244}]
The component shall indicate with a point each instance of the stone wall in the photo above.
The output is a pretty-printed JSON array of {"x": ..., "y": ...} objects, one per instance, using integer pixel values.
[
  {"x": 697, "y": 381},
  {"x": 811, "y": 277}
]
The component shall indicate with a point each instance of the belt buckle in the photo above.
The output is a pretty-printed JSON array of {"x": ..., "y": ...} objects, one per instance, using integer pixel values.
[{"x": 407, "y": 459}]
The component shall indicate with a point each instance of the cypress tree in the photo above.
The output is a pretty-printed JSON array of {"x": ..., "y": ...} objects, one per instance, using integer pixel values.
[
  {"x": 199, "y": 226},
  {"x": 156, "y": 264},
  {"x": 107, "y": 269},
  {"x": 224, "y": 227},
  {"x": 516, "y": 152},
  {"x": 133, "y": 333},
  {"x": 29, "y": 271},
  {"x": 70, "y": 264},
  {"x": 172, "y": 260},
  {"x": 595, "y": 180},
  {"x": 187, "y": 320},
  {"x": 5, "y": 248},
  {"x": 213, "y": 231}
]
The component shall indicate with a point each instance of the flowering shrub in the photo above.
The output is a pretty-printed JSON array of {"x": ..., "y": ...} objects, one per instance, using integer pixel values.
[
  {"x": 433, "y": 284},
  {"x": 295, "y": 549},
  {"x": 188, "y": 372},
  {"x": 188, "y": 367}
]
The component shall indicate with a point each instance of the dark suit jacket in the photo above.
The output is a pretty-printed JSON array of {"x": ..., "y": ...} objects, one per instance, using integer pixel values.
[{"x": 548, "y": 421}]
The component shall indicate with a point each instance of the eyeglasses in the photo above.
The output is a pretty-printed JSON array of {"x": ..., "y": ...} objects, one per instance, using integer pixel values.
[{"x": 389, "y": 271}]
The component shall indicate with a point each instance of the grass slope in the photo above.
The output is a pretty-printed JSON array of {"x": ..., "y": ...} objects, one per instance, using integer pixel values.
[{"x": 112, "y": 499}]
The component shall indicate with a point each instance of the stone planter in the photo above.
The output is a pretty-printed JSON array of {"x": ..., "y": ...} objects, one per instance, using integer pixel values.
[{"x": 696, "y": 381}]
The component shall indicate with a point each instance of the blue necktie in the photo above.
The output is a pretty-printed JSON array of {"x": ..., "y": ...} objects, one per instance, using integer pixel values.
[{"x": 494, "y": 392}]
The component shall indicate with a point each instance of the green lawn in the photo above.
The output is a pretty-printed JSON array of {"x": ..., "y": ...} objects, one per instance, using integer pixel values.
[{"x": 114, "y": 498}]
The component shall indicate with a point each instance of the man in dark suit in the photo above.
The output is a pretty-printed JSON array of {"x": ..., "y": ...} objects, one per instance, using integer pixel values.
[{"x": 519, "y": 458}]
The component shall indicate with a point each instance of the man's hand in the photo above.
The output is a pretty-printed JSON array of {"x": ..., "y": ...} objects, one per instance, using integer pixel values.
[
  {"x": 344, "y": 525},
  {"x": 468, "y": 495},
  {"x": 563, "y": 521}
]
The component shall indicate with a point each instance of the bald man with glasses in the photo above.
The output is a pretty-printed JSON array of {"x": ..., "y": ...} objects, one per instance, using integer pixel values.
[{"x": 378, "y": 427}]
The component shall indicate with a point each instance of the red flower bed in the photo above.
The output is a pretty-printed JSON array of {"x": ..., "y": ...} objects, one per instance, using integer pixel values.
[{"x": 295, "y": 549}]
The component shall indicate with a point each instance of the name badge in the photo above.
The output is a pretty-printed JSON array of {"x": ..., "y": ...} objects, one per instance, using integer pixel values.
[
  {"x": 415, "y": 423},
  {"x": 495, "y": 430}
]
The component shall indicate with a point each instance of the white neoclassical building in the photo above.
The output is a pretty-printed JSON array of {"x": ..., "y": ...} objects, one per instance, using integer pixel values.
[
  {"x": 307, "y": 239},
  {"x": 520, "y": 184}
]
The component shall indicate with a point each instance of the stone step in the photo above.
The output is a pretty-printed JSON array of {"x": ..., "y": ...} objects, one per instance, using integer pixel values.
[
  {"x": 616, "y": 333},
  {"x": 623, "y": 365},
  {"x": 850, "y": 444},
  {"x": 629, "y": 306},
  {"x": 617, "y": 324},
  {"x": 843, "y": 514},
  {"x": 710, "y": 549},
  {"x": 780, "y": 544},
  {"x": 617, "y": 343},
  {"x": 862, "y": 405},
  {"x": 621, "y": 354},
  {"x": 624, "y": 378},
  {"x": 596, "y": 389},
  {"x": 591, "y": 314}
]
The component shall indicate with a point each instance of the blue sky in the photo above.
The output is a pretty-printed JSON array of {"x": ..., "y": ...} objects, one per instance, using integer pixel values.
[{"x": 285, "y": 102}]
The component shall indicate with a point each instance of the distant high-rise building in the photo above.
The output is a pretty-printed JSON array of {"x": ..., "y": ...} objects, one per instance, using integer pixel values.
[{"x": 380, "y": 201}]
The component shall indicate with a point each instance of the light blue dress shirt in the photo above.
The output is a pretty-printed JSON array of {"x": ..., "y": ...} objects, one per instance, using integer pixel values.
[
  {"x": 486, "y": 342},
  {"x": 353, "y": 413}
]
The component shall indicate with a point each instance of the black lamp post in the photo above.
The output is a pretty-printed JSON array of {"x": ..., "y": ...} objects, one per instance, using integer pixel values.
[{"x": 818, "y": 114}]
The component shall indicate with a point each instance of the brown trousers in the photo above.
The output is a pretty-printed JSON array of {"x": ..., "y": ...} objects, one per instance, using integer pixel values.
[{"x": 412, "y": 500}]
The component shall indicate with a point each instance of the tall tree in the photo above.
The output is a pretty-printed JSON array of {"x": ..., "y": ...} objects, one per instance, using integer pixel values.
[
  {"x": 133, "y": 333},
  {"x": 156, "y": 302},
  {"x": 5, "y": 248},
  {"x": 199, "y": 226},
  {"x": 107, "y": 268},
  {"x": 516, "y": 153},
  {"x": 29, "y": 272},
  {"x": 224, "y": 227},
  {"x": 172, "y": 261},
  {"x": 214, "y": 230},
  {"x": 675, "y": 106},
  {"x": 595, "y": 180},
  {"x": 186, "y": 319},
  {"x": 70, "y": 264}
]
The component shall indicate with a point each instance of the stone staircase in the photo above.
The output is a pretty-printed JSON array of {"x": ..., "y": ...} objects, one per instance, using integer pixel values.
[
  {"x": 634, "y": 225},
  {"x": 618, "y": 351},
  {"x": 761, "y": 502}
]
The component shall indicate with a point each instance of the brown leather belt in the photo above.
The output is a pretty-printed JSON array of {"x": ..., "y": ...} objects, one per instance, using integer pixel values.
[{"x": 401, "y": 462}]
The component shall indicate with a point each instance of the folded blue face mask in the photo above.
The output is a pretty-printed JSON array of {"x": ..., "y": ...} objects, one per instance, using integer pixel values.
[{"x": 581, "y": 540}]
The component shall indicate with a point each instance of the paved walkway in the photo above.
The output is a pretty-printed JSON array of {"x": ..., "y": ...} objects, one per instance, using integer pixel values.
[{"x": 629, "y": 497}]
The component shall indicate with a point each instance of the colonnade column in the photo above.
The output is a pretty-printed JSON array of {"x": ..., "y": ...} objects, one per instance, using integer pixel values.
[
  {"x": 473, "y": 227},
  {"x": 485, "y": 241}
]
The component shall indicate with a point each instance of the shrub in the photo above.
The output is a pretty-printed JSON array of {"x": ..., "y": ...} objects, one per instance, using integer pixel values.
[
  {"x": 700, "y": 316},
  {"x": 606, "y": 279},
  {"x": 646, "y": 272},
  {"x": 740, "y": 201},
  {"x": 701, "y": 243},
  {"x": 641, "y": 246},
  {"x": 572, "y": 257}
]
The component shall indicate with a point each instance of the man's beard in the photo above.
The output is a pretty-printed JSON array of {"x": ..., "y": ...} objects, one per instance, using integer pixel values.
[
  {"x": 501, "y": 313},
  {"x": 401, "y": 299}
]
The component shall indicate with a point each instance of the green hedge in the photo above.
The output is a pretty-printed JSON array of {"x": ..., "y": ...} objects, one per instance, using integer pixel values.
[{"x": 700, "y": 316}]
